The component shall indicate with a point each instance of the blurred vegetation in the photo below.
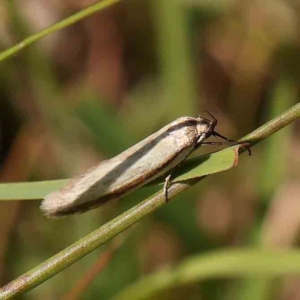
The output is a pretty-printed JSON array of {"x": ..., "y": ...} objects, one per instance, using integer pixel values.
[{"x": 91, "y": 90}]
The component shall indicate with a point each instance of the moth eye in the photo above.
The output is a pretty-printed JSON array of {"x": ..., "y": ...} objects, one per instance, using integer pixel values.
[
  {"x": 207, "y": 134},
  {"x": 203, "y": 136}
]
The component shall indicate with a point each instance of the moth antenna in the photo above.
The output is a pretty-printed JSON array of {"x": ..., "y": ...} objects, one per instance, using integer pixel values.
[
  {"x": 215, "y": 121},
  {"x": 210, "y": 115}
]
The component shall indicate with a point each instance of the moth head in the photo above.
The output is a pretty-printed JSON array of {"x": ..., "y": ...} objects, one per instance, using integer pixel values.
[{"x": 206, "y": 127}]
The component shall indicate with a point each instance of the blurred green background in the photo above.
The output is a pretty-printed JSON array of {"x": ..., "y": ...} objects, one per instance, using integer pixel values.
[{"x": 88, "y": 92}]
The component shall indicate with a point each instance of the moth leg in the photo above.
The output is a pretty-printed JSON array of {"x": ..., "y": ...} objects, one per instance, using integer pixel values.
[
  {"x": 232, "y": 141},
  {"x": 166, "y": 187},
  {"x": 248, "y": 148},
  {"x": 221, "y": 144},
  {"x": 213, "y": 143},
  {"x": 224, "y": 137},
  {"x": 210, "y": 143}
]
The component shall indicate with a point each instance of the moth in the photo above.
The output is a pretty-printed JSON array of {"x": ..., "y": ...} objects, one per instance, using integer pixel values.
[{"x": 149, "y": 159}]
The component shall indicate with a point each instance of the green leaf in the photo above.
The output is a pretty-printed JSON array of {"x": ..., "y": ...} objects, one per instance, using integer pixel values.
[
  {"x": 208, "y": 164},
  {"x": 192, "y": 168},
  {"x": 204, "y": 165},
  {"x": 29, "y": 190}
]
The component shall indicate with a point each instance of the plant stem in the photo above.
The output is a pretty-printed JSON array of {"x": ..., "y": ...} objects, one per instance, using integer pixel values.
[
  {"x": 98, "y": 237},
  {"x": 57, "y": 26},
  {"x": 272, "y": 126}
]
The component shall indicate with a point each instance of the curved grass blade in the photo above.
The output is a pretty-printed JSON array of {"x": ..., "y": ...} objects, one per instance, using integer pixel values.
[
  {"x": 191, "y": 168},
  {"x": 29, "y": 190},
  {"x": 221, "y": 264}
]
